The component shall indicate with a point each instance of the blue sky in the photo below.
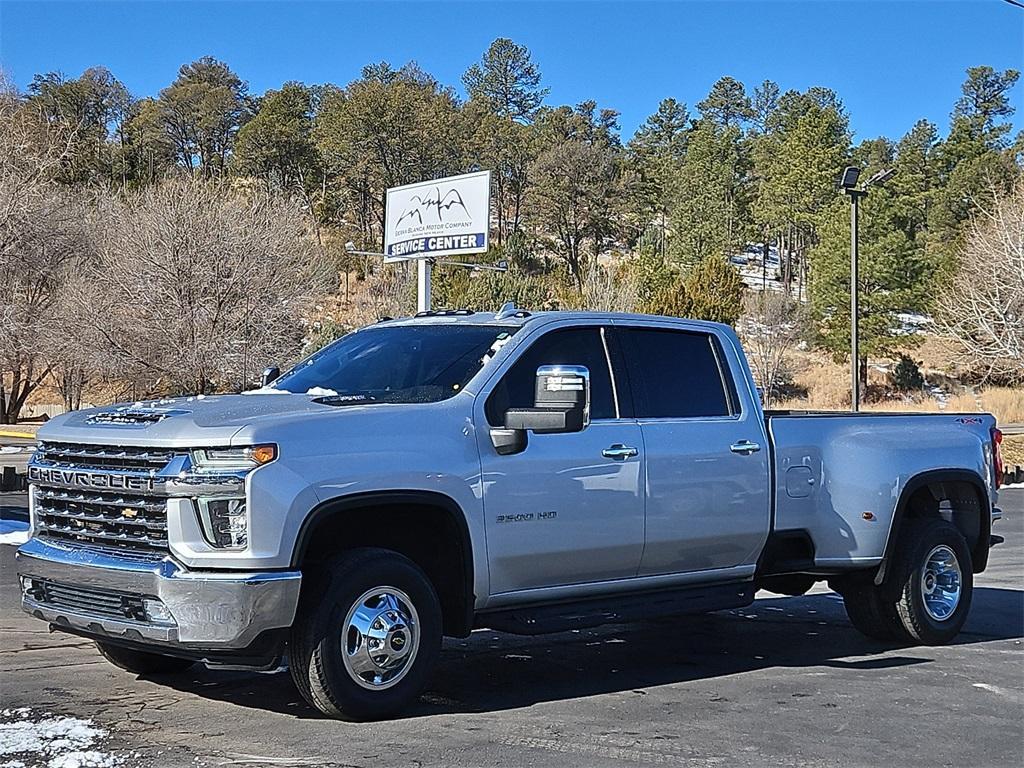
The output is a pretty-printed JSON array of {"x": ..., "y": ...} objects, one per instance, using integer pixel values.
[{"x": 891, "y": 62}]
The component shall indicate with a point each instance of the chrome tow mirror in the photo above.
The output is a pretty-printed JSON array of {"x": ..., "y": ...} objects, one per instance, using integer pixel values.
[
  {"x": 561, "y": 404},
  {"x": 269, "y": 374}
]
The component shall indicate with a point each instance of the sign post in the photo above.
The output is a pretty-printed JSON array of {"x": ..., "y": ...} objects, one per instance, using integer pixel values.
[
  {"x": 422, "y": 285},
  {"x": 429, "y": 219}
]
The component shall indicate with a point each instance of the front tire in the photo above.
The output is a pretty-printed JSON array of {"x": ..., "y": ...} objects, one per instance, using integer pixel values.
[
  {"x": 142, "y": 662},
  {"x": 367, "y": 635}
]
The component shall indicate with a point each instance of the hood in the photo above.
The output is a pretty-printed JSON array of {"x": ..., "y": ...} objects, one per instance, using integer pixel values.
[{"x": 187, "y": 421}]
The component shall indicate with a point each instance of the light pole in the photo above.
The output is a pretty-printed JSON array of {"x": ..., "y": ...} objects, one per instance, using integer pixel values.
[{"x": 848, "y": 183}]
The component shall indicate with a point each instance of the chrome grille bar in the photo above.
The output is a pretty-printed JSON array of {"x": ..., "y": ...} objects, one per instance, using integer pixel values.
[
  {"x": 114, "y": 500},
  {"x": 85, "y": 535},
  {"x": 156, "y": 525},
  {"x": 83, "y": 455}
]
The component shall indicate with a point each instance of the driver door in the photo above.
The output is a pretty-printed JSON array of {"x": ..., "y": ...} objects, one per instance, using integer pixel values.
[{"x": 569, "y": 508}]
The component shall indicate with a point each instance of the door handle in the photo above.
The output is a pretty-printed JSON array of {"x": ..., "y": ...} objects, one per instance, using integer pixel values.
[
  {"x": 619, "y": 451},
  {"x": 745, "y": 447}
]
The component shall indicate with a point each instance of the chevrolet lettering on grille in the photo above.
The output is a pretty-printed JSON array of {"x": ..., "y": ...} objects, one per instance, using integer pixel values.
[{"x": 89, "y": 479}]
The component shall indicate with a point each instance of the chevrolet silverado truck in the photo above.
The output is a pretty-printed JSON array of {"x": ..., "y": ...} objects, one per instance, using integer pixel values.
[{"x": 525, "y": 472}]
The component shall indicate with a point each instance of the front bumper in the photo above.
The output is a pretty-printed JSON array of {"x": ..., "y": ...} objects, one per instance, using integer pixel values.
[{"x": 79, "y": 589}]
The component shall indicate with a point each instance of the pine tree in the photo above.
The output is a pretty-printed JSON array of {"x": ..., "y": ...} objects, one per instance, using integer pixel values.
[
  {"x": 976, "y": 158},
  {"x": 506, "y": 80},
  {"x": 710, "y": 195},
  {"x": 277, "y": 144},
  {"x": 656, "y": 154},
  {"x": 714, "y": 291},
  {"x": 727, "y": 104},
  {"x": 896, "y": 272},
  {"x": 796, "y": 162}
]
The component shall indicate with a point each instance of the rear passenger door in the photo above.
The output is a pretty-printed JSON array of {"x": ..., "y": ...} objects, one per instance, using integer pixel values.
[{"x": 706, "y": 459}]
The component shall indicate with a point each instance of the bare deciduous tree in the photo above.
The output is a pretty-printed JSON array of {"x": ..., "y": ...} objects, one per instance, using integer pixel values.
[
  {"x": 41, "y": 236},
  {"x": 573, "y": 200},
  {"x": 195, "y": 288},
  {"x": 983, "y": 308},
  {"x": 772, "y": 324}
]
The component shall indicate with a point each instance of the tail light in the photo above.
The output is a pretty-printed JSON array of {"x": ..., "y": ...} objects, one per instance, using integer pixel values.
[{"x": 997, "y": 454}]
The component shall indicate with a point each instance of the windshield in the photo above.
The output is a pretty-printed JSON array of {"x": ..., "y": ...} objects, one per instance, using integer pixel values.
[{"x": 398, "y": 364}]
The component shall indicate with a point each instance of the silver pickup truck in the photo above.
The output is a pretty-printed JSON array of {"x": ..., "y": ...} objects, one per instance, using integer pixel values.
[{"x": 527, "y": 472}]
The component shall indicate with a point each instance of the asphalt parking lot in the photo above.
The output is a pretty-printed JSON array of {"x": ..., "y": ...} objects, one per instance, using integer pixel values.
[{"x": 785, "y": 682}]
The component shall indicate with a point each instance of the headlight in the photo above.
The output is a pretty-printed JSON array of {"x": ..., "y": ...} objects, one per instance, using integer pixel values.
[
  {"x": 232, "y": 459},
  {"x": 225, "y": 523}
]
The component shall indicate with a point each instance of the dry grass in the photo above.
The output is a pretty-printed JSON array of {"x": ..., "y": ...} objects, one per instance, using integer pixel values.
[
  {"x": 1005, "y": 402},
  {"x": 827, "y": 385},
  {"x": 1013, "y": 450}
]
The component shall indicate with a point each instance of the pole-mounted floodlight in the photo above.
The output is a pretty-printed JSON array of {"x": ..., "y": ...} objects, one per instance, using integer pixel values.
[
  {"x": 848, "y": 184},
  {"x": 881, "y": 177},
  {"x": 849, "y": 178},
  {"x": 350, "y": 248}
]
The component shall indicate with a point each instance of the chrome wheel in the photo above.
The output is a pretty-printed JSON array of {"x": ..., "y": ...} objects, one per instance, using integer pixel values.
[
  {"x": 380, "y": 638},
  {"x": 941, "y": 583}
]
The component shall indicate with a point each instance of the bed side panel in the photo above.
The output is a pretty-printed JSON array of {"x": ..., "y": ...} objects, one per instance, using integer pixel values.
[{"x": 839, "y": 478}]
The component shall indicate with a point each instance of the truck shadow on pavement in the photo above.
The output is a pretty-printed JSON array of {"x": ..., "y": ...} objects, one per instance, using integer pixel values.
[{"x": 490, "y": 671}]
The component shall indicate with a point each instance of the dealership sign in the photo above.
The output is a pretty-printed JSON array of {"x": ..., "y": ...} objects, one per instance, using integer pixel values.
[{"x": 443, "y": 217}]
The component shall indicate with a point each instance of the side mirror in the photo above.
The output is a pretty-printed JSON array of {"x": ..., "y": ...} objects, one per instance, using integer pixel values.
[
  {"x": 561, "y": 404},
  {"x": 269, "y": 374}
]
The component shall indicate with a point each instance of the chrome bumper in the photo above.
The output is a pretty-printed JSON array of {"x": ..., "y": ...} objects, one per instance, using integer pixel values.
[{"x": 208, "y": 609}]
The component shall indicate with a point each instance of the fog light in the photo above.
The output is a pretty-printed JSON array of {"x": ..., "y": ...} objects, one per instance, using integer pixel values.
[
  {"x": 225, "y": 523},
  {"x": 156, "y": 611}
]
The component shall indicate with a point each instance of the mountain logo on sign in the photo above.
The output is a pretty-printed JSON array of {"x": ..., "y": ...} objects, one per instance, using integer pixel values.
[{"x": 448, "y": 204}]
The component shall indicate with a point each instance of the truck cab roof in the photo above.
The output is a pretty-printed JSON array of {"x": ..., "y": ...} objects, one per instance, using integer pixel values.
[{"x": 512, "y": 316}]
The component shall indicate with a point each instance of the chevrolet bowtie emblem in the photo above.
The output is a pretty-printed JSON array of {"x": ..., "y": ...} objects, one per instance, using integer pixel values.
[{"x": 129, "y": 512}]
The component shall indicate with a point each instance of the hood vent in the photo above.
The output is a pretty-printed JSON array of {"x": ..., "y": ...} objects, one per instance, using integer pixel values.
[{"x": 132, "y": 416}]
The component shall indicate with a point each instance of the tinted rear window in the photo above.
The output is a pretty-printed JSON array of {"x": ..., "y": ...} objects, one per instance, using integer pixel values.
[{"x": 675, "y": 374}]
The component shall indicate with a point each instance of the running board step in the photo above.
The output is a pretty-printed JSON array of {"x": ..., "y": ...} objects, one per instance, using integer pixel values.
[{"x": 561, "y": 617}]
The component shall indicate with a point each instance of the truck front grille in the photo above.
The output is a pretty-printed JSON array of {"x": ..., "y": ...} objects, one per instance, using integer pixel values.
[
  {"x": 77, "y": 599},
  {"x": 107, "y": 517}
]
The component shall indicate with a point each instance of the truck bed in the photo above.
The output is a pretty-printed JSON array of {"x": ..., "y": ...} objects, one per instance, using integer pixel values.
[{"x": 839, "y": 477}]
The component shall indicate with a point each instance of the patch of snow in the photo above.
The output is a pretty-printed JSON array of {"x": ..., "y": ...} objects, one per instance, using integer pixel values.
[
  {"x": 12, "y": 448},
  {"x": 52, "y": 740},
  {"x": 911, "y": 323},
  {"x": 321, "y": 392},
  {"x": 266, "y": 391},
  {"x": 13, "y": 532},
  {"x": 88, "y": 759}
]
